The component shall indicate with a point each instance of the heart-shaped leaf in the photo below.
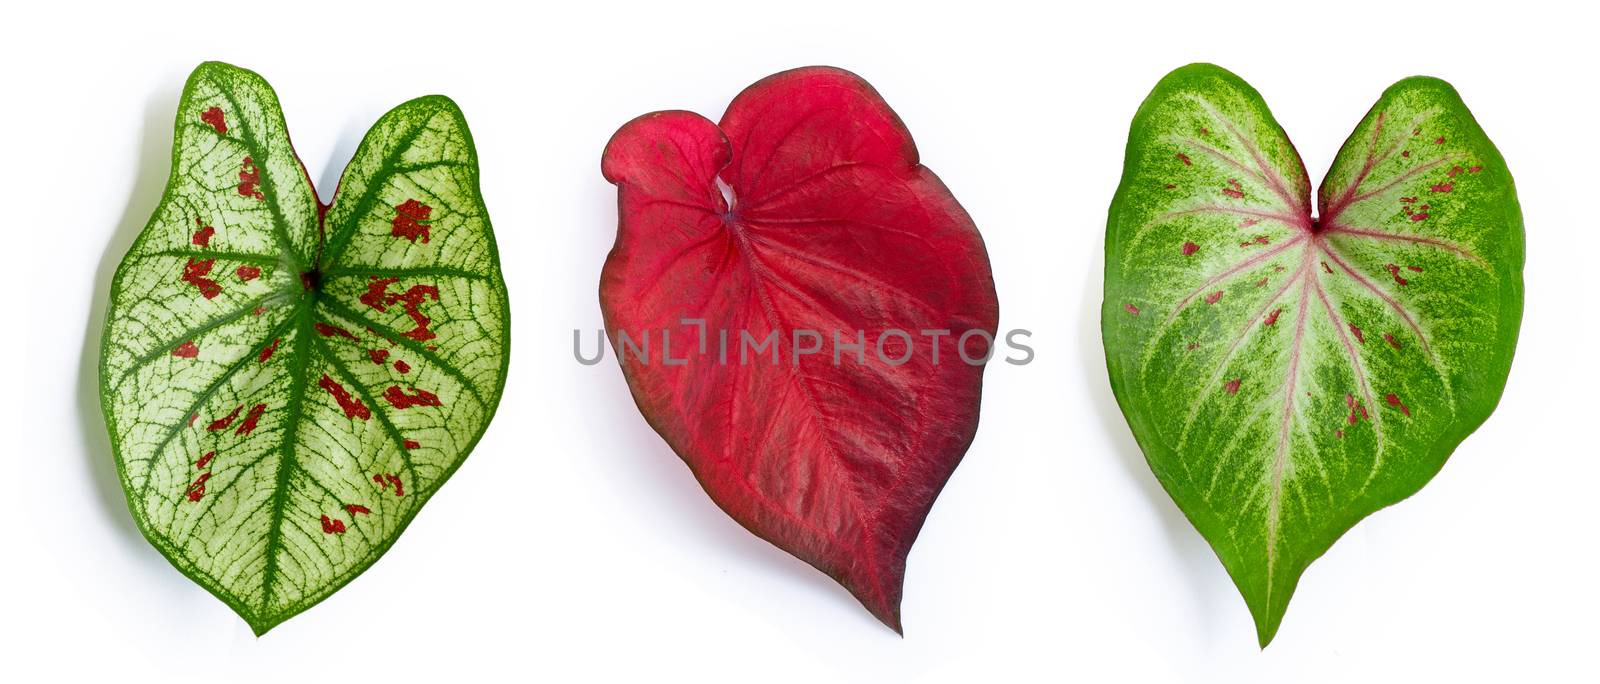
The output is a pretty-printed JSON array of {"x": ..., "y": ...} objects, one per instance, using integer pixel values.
[
  {"x": 804, "y": 222},
  {"x": 1288, "y": 375},
  {"x": 281, "y": 405}
]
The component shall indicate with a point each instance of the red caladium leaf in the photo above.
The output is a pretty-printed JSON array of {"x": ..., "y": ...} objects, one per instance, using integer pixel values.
[{"x": 758, "y": 253}]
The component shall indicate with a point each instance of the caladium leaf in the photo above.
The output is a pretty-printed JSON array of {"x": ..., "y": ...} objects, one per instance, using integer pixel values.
[
  {"x": 804, "y": 220},
  {"x": 1288, "y": 374},
  {"x": 287, "y": 383}
]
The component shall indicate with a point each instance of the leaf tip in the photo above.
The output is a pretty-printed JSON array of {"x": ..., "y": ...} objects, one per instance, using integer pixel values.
[
  {"x": 260, "y": 624},
  {"x": 1268, "y": 616},
  {"x": 880, "y": 595},
  {"x": 1265, "y": 633},
  {"x": 890, "y": 617}
]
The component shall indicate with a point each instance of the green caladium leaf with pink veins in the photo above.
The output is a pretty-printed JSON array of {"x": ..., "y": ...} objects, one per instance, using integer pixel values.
[
  {"x": 287, "y": 383},
  {"x": 1286, "y": 372}
]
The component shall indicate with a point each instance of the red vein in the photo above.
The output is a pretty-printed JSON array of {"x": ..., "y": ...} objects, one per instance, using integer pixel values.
[
  {"x": 1345, "y": 198},
  {"x": 1219, "y": 154},
  {"x": 1273, "y": 179},
  {"x": 1366, "y": 168},
  {"x": 1415, "y": 239},
  {"x": 1410, "y": 173},
  {"x": 1275, "y": 496},
  {"x": 1404, "y": 314},
  {"x": 1288, "y": 219},
  {"x": 1361, "y": 377},
  {"x": 1227, "y": 356},
  {"x": 1247, "y": 263}
]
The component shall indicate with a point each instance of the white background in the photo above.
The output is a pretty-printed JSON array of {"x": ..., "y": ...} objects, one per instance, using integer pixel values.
[{"x": 574, "y": 545}]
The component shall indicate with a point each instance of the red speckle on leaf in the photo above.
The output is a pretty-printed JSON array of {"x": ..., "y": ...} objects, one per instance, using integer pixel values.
[
  {"x": 418, "y": 397},
  {"x": 332, "y": 525},
  {"x": 1406, "y": 153},
  {"x": 249, "y": 178},
  {"x": 1204, "y": 131},
  {"x": 1232, "y": 386},
  {"x": 266, "y": 352},
  {"x": 1357, "y": 331},
  {"x": 1407, "y": 200},
  {"x": 1248, "y": 222},
  {"x": 352, "y": 407},
  {"x": 308, "y": 281},
  {"x": 1261, "y": 283},
  {"x": 1340, "y": 433},
  {"x": 1443, "y": 187},
  {"x": 1453, "y": 171},
  {"x": 402, "y": 366},
  {"x": 1327, "y": 268},
  {"x": 1419, "y": 216},
  {"x": 1131, "y": 309},
  {"x": 412, "y": 444},
  {"x": 248, "y": 273},
  {"x": 223, "y": 422},
  {"x": 194, "y": 273},
  {"x": 258, "y": 311},
  {"x": 378, "y": 356},
  {"x": 357, "y": 509},
  {"x": 214, "y": 117},
  {"x": 331, "y": 330},
  {"x": 412, "y": 301},
  {"x": 192, "y": 418},
  {"x": 1193, "y": 346},
  {"x": 1185, "y": 159},
  {"x": 1189, "y": 248},
  {"x": 1395, "y": 402},
  {"x": 250, "y": 420},
  {"x": 1257, "y": 240},
  {"x": 1272, "y": 318},
  {"x": 1234, "y": 190},
  {"x": 205, "y": 460},
  {"x": 1169, "y": 186},
  {"x": 1416, "y": 131},
  {"x": 376, "y": 294},
  {"x": 187, "y": 350},
  {"x": 1391, "y": 340},
  {"x": 1414, "y": 269},
  {"x": 1439, "y": 140},
  {"x": 1214, "y": 297},
  {"x": 1395, "y": 271},
  {"x": 378, "y": 297},
  {"x": 197, "y": 489},
  {"x": 386, "y": 479},
  {"x": 410, "y": 220},
  {"x": 1475, "y": 169},
  {"x": 202, "y": 237},
  {"x": 1357, "y": 410}
]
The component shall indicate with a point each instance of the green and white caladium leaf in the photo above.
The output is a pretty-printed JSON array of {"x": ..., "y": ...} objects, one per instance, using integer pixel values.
[
  {"x": 287, "y": 383},
  {"x": 1285, "y": 373}
]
